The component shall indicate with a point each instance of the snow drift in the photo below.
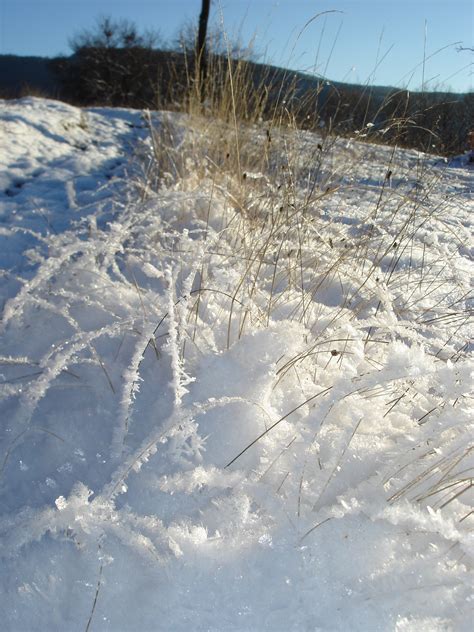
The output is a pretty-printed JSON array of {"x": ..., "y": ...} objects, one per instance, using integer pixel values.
[{"x": 228, "y": 401}]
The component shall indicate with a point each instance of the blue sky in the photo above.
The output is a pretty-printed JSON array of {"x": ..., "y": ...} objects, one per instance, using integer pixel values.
[{"x": 394, "y": 35}]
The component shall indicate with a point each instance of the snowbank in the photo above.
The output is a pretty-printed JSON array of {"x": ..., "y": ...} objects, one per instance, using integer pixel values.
[{"x": 212, "y": 421}]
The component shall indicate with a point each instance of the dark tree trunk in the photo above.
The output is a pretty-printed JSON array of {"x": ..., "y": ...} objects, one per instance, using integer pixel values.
[{"x": 201, "y": 52}]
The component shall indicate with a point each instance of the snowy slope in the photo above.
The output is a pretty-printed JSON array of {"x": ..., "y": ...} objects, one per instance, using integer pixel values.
[{"x": 228, "y": 416}]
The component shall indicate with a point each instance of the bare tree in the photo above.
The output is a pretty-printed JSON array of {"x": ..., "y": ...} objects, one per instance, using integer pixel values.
[
  {"x": 113, "y": 33},
  {"x": 201, "y": 52},
  {"x": 113, "y": 63}
]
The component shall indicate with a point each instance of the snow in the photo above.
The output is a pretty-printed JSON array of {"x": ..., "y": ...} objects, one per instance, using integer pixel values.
[{"x": 218, "y": 413}]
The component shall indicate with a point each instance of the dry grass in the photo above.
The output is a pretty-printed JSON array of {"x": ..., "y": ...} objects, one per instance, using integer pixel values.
[{"x": 281, "y": 185}]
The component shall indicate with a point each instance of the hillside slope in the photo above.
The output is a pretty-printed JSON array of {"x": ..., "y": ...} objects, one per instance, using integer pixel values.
[{"x": 230, "y": 401}]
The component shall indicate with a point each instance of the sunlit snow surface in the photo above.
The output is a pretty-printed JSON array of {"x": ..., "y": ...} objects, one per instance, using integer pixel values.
[{"x": 135, "y": 365}]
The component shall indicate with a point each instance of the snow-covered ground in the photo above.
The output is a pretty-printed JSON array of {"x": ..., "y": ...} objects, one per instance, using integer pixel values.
[{"x": 230, "y": 405}]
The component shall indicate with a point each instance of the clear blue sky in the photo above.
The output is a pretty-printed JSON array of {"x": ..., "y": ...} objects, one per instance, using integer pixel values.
[{"x": 342, "y": 46}]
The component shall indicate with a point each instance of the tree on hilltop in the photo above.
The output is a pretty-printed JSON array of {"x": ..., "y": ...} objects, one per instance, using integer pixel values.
[{"x": 201, "y": 52}]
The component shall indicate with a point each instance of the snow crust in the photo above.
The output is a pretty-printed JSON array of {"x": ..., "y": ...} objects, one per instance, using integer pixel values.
[{"x": 190, "y": 441}]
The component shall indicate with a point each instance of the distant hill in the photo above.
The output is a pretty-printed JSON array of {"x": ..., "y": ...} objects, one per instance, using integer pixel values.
[
  {"x": 27, "y": 74},
  {"x": 140, "y": 77},
  {"x": 18, "y": 73}
]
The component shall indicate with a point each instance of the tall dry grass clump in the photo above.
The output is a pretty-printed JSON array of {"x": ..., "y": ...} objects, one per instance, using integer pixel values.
[
  {"x": 318, "y": 227},
  {"x": 246, "y": 137}
]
